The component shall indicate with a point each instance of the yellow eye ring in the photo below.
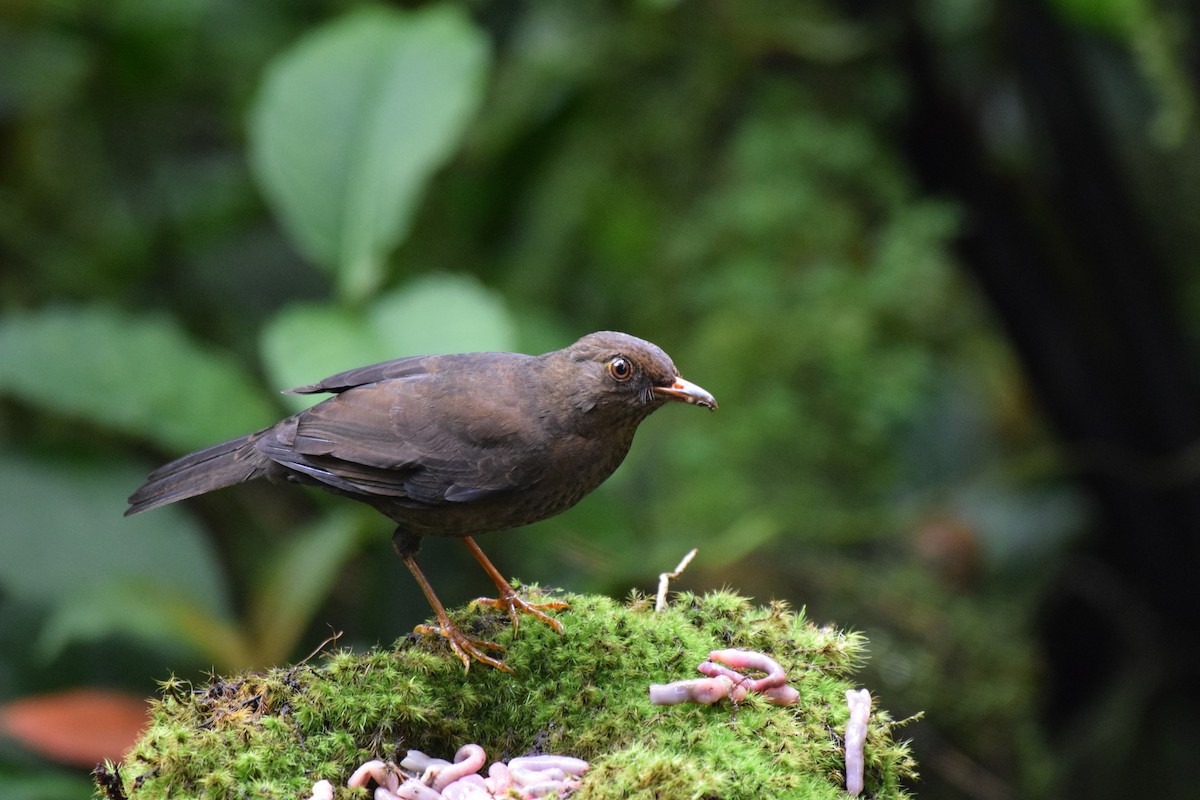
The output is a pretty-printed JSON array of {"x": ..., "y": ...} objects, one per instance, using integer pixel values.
[{"x": 620, "y": 368}]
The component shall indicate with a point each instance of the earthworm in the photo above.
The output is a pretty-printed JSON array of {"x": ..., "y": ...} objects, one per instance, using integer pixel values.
[
  {"x": 856, "y": 736},
  {"x": 695, "y": 690},
  {"x": 470, "y": 758}
]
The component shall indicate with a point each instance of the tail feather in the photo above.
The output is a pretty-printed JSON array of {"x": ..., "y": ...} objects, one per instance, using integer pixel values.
[{"x": 216, "y": 467}]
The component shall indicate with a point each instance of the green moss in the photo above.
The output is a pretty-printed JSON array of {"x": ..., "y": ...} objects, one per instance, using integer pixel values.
[{"x": 585, "y": 694}]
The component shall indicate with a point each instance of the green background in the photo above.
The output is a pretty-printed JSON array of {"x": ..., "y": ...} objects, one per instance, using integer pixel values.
[{"x": 935, "y": 259}]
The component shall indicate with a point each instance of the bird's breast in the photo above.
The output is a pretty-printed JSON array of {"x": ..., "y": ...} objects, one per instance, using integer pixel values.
[{"x": 546, "y": 482}]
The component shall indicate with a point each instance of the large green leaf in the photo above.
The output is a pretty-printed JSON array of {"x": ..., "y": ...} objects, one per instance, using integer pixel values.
[
  {"x": 66, "y": 548},
  {"x": 139, "y": 375},
  {"x": 299, "y": 578},
  {"x": 45, "y": 784},
  {"x": 151, "y": 612},
  {"x": 64, "y": 535},
  {"x": 436, "y": 314},
  {"x": 351, "y": 122}
]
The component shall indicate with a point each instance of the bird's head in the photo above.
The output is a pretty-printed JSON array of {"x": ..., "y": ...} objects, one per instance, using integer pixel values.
[{"x": 623, "y": 375}]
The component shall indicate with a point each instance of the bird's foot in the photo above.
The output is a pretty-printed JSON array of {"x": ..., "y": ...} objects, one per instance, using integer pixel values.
[
  {"x": 513, "y": 603},
  {"x": 464, "y": 646}
]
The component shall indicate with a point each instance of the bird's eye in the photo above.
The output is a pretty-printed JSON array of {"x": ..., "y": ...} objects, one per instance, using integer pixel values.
[{"x": 620, "y": 369}]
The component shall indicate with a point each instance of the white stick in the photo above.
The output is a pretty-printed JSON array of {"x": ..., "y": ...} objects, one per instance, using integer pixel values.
[{"x": 664, "y": 580}]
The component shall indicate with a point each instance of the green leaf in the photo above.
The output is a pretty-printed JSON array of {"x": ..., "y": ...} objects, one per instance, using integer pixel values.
[
  {"x": 304, "y": 343},
  {"x": 150, "y": 612},
  {"x": 65, "y": 540},
  {"x": 138, "y": 375},
  {"x": 1117, "y": 17},
  {"x": 45, "y": 784},
  {"x": 299, "y": 579},
  {"x": 64, "y": 531},
  {"x": 436, "y": 314},
  {"x": 351, "y": 122},
  {"x": 442, "y": 314}
]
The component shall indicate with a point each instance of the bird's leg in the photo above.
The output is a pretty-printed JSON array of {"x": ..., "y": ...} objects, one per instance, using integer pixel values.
[
  {"x": 509, "y": 600},
  {"x": 464, "y": 646}
]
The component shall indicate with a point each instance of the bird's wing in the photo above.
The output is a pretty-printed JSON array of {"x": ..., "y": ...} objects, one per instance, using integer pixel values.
[
  {"x": 360, "y": 376},
  {"x": 421, "y": 440}
]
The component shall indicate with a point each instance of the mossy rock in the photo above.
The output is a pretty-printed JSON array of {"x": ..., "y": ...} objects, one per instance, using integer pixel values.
[{"x": 585, "y": 693}]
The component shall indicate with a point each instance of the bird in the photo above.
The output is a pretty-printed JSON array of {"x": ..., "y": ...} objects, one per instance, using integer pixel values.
[{"x": 454, "y": 446}]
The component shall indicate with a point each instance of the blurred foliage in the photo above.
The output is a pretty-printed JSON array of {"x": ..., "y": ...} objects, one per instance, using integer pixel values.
[
  {"x": 352, "y": 120},
  {"x": 83, "y": 361},
  {"x": 205, "y": 202},
  {"x": 1154, "y": 38},
  {"x": 309, "y": 339}
]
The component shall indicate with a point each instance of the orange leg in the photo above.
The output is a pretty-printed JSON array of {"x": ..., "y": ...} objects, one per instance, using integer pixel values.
[
  {"x": 465, "y": 647},
  {"x": 509, "y": 600}
]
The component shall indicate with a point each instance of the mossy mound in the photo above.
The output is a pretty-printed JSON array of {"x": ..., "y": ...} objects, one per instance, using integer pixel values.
[{"x": 584, "y": 693}]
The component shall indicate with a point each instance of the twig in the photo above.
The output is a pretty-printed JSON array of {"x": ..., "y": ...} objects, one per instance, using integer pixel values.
[
  {"x": 664, "y": 579},
  {"x": 331, "y": 640}
]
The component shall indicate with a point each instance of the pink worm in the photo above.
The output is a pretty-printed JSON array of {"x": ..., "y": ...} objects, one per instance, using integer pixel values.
[
  {"x": 773, "y": 684},
  {"x": 411, "y": 789},
  {"x": 547, "y": 788},
  {"x": 469, "y": 758},
  {"x": 376, "y": 770},
  {"x": 855, "y": 737},
  {"x": 750, "y": 659},
  {"x": 322, "y": 790},
  {"x": 468, "y": 787},
  {"x": 696, "y": 690},
  {"x": 568, "y": 764}
]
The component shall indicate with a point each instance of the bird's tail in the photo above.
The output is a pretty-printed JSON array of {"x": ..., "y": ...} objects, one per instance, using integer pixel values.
[{"x": 216, "y": 467}]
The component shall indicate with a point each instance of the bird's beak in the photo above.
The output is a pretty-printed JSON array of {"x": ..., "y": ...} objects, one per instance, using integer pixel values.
[{"x": 687, "y": 392}]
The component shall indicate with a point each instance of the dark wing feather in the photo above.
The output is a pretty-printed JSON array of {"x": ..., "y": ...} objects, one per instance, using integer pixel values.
[
  {"x": 360, "y": 376},
  {"x": 421, "y": 440}
]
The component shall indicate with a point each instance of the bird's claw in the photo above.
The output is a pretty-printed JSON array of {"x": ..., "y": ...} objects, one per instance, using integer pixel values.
[
  {"x": 465, "y": 647},
  {"x": 513, "y": 603}
]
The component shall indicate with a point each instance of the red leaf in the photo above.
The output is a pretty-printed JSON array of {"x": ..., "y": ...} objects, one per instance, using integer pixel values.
[{"x": 76, "y": 726}]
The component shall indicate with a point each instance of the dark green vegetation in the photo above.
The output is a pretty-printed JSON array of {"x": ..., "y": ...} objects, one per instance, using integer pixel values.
[
  {"x": 936, "y": 258},
  {"x": 271, "y": 735}
]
